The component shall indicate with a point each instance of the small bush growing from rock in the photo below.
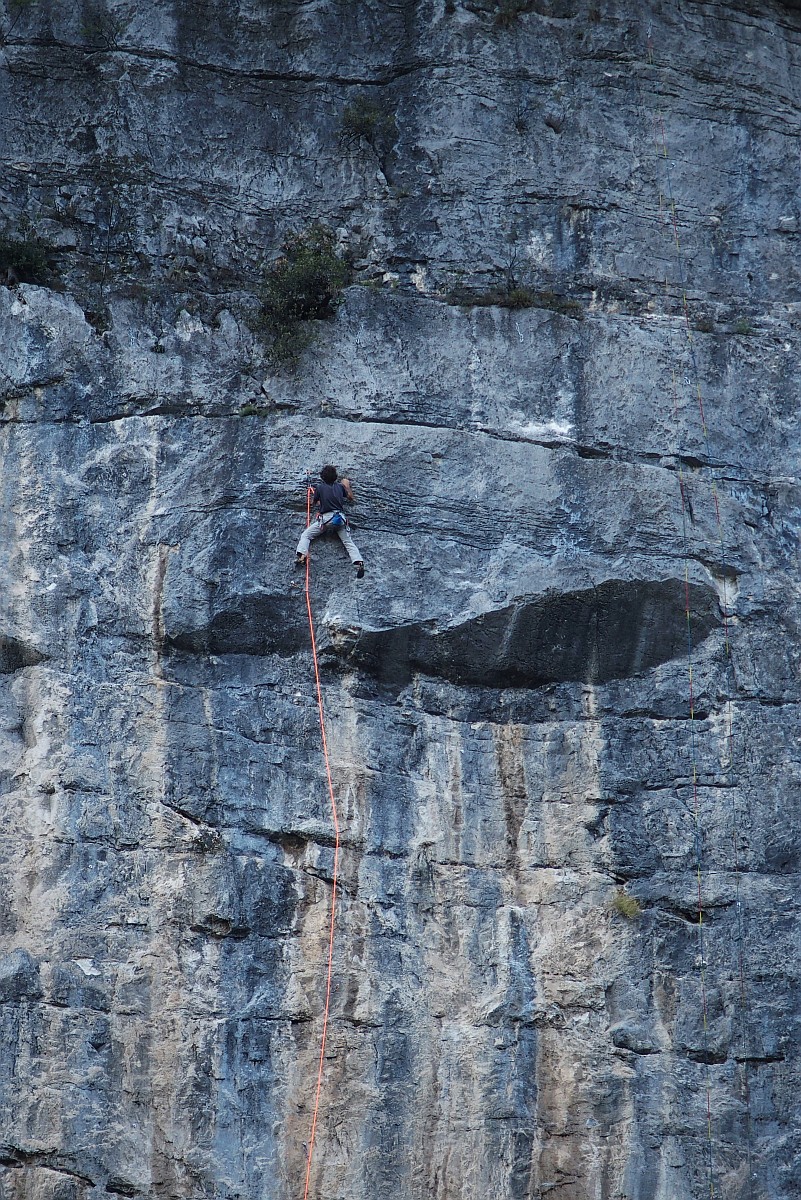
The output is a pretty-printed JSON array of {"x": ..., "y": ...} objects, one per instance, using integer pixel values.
[
  {"x": 208, "y": 841},
  {"x": 515, "y": 296},
  {"x": 16, "y": 8},
  {"x": 23, "y": 259},
  {"x": 519, "y": 297},
  {"x": 500, "y": 297},
  {"x": 510, "y": 10},
  {"x": 304, "y": 284},
  {"x": 103, "y": 30},
  {"x": 521, "y": 120},
  {"x": 367, "y": 119},
  {"x": 505, "y": 12},
  {"x": 627, "y": 906}
]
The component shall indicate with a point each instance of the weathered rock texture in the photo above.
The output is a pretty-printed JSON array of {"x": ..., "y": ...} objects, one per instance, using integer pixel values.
[{"x": 514, "y": 752}]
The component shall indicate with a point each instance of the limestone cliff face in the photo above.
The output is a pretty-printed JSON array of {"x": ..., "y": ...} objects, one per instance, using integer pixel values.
[{"x": 535, "y": 783}]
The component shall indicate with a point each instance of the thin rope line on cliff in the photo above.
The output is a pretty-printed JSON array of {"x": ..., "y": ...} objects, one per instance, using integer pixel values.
[
  {"x": 698, "y": 833},
  {"x": 728, "y": 767},
  {"x": 662, "y": 153},
  {"x": 697, "y": 823},
  {"x": 698, "y": 838},
  {"x": 335, "y": 817}
]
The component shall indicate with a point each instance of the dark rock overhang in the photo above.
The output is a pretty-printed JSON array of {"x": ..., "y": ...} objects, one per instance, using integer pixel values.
[
  {"x": 14, "y": 655},
  {"x": 616, "y": 630}
]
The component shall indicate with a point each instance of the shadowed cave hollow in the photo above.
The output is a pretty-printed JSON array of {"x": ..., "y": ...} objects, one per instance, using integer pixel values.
[
  {"x": 613, "y": 631},
  {"x": 14, "y": 655}
]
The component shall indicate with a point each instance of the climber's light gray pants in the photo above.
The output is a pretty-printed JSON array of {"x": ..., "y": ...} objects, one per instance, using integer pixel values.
[{"x": 316, "y": 528}]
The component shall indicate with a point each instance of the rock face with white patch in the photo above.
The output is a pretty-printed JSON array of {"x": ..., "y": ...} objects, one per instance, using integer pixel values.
[{"x": 561, "y": 705}]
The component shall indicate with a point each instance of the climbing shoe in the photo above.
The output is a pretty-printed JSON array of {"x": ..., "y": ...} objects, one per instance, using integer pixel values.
[
  {"x": 300, "y": 559},
  {"x": 359, "y": 569}
]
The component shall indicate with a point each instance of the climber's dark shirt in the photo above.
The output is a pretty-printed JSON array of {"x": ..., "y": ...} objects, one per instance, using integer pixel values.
[{"x": 330, "y": 496}]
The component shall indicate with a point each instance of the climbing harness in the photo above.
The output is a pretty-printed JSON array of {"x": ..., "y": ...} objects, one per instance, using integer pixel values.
[
  {"x": 334, "y": 875},
  {"x": 337, "y": 520}
]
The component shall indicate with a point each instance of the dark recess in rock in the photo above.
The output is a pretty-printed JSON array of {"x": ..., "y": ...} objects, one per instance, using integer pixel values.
[
  {"x": 14, "y": 655},
  {"x": 220, "y": 927},
  {"x": 19, "y": 978},
  {"x": 627, "y": 1036},
  {"x": 257, "y": 624},
  {"x": 121, "y": 1187},
  {"x": 69, "y": 988},
  {"x": 614, "y": 631}
]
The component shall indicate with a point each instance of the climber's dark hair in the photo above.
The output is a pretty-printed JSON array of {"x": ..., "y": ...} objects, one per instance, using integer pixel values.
[{"x": 329, "y": 474}]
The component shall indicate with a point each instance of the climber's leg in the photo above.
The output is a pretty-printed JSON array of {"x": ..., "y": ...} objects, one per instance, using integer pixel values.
[
  {"x": 309, "y": 534},
  {"x": 347, "y": 541}
]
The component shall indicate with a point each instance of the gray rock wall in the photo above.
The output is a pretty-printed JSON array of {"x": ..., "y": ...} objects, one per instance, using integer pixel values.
[{"x": 524, "y": 1002}]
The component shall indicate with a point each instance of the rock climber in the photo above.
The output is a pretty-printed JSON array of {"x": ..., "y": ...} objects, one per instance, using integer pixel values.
[{"x": 328, "y": 496}]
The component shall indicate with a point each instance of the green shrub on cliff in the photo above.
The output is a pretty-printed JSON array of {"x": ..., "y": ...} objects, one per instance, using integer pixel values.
[
  {"x": 23, "y": 259},
  {"x": 505, "y": 12},
  {"x": 367, "y": 119},
  {"x": 627, "y": 906},
  {"x": 515, "y": 295},
  {"x": 304, "y": 284},
  {"x": 509, "y": 10},
  {"x": 15, "y": 10}
]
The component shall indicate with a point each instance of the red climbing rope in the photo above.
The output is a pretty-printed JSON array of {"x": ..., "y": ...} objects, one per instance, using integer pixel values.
[{"x": 332, "y": 922}]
